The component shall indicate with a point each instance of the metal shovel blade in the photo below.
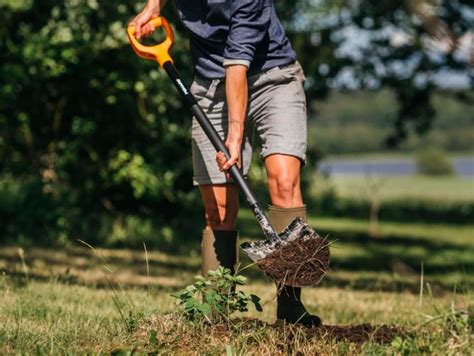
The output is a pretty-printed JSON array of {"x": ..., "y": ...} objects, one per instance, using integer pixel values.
[{"x": 298, "y": 257}]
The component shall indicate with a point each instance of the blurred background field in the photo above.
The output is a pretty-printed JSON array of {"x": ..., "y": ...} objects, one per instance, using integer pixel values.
[
  {"x": 449, "y": 189},
  {"x": 95, "y": 146}
]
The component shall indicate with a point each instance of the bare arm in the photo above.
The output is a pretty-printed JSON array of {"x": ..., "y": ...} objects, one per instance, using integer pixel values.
[
  {"x": 152, "y": 9},
  {"x": 249, "y": 22},
  {"x": 236, "y": 89}
]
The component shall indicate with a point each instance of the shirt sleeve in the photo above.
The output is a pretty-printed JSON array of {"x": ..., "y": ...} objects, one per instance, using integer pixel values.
[{"x": 249, "y": 23}]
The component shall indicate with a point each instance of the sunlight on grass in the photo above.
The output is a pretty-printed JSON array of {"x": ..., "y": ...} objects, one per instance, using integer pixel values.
[
  {"x": 460, "y": 234},
  {"x": 393, "y": 187},
  {"x": 58, "y": 300},
  {"x": 54, "y": 317}
]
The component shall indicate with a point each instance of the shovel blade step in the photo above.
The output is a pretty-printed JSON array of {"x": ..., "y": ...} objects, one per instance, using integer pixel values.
[{"x": 297, "y": 229}]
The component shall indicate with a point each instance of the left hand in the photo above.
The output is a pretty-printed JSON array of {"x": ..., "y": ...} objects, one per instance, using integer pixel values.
[
  {"x": 141, "y": 22},
  {"x": 234, "y": 150}
]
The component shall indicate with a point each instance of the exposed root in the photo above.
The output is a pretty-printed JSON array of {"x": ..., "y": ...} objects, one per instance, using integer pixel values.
[{"x": 303, "y": 262}]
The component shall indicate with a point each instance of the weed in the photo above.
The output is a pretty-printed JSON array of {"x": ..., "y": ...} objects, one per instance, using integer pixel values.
[
  {"x": 215, "y": 298},
  {"x": 448, "y": 329},
  {"x": 411, "y": 345},
  {"x": 21, "y": 254},
  {"x": 130, "y": 320}
]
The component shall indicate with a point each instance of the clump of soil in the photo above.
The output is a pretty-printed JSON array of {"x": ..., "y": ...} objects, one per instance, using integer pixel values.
[{"x": 302, "y": 262}]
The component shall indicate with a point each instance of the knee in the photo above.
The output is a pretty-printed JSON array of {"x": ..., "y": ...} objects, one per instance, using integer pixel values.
[{"x": 283, "y": 187}]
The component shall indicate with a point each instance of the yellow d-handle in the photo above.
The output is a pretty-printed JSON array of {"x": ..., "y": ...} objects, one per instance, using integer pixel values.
[{"x": 159, "y": 52}]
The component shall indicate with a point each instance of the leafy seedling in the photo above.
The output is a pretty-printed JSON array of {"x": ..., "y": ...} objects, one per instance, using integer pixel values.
[{"x": 215, "y": 298}]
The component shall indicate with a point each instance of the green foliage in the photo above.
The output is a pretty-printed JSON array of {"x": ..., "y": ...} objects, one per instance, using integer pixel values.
[
  {"x": 411, "y": 345},
  {"x": 350, "y": 39},
  {"x": 89, "y": 134},
  {"x": 95, "y": 145},
  {"x": 433, "y": 162},
  {"x": 454, "y": 329},
  {"x": 344, "y": 123},
  {"x": 214, "y": 299}
]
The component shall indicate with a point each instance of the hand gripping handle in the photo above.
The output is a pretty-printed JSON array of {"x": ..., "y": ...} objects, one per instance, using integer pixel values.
[{"x": 159, "y": 52}]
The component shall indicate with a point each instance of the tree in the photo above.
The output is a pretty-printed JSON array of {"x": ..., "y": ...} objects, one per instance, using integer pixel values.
[
  {"x": 411, "y": 47},
  {"x": 94, "y": 145},
  {"x": 90, "y": 125}
]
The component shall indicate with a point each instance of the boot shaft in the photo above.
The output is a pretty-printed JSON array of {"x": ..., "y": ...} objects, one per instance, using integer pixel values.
[{"x": 219, "y": 248}]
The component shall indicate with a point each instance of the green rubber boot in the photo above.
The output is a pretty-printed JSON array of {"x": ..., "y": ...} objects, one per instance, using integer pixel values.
[
  {"x": 218, "y": 248},
  {"x": 289, "y": 305}
]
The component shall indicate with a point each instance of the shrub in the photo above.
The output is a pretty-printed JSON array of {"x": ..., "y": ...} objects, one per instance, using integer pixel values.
[{"x": 433, "y": 162}]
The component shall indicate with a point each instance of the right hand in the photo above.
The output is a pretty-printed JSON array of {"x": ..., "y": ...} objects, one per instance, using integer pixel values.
[
  {"x": 142, "y": 27},
  {"x": 225, "y": 164}
]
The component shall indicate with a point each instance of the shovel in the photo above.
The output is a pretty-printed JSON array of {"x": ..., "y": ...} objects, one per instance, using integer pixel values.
[{"x": 298, "y": 256}]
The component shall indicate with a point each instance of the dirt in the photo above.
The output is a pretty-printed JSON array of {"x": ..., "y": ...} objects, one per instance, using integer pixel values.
[
  {"x": 303, "y": 262},
  {"x": 358, "y": 334},
  {"x": 284, "y": 332}
]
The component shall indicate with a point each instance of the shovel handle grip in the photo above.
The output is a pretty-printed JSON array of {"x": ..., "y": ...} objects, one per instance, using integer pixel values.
[{"x": 158, "y": 52}]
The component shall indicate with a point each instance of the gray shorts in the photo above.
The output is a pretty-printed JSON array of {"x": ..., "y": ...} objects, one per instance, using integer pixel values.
[{"x": 276, "y": 113}]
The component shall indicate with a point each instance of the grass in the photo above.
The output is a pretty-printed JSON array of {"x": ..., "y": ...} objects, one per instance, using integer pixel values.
[
  {"x": 399, "y": 187},
  {"x": 53, "y": 318},
  {"x": 446, "y": 252},
  {"x": 58, "y": 300},
  {"x": 387, "y": 156}
]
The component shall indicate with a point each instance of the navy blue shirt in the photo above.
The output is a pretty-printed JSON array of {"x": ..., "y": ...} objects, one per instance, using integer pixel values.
[{"x": 225, "y": 32}]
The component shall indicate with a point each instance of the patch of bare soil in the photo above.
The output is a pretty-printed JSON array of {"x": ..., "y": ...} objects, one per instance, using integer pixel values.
[
  {"x": 303, "y": 262},
  {"x": 358, "y": 334}
]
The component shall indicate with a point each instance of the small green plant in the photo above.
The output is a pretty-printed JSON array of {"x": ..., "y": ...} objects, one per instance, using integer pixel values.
[
  {"x": 215, "y": 298},
  {"x": 412, "y": 345}
]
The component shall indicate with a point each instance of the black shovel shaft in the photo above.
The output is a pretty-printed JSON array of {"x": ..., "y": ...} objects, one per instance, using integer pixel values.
[{"x": 219, "y": 145}]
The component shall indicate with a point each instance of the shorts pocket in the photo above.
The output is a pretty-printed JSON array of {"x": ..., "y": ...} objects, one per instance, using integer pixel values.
[
  {"x": 289, "y": 73},
  {"x": 294, "y": 71}
]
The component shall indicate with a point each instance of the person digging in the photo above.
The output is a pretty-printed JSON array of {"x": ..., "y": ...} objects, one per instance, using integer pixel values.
[{"x": 246, "y": 79}]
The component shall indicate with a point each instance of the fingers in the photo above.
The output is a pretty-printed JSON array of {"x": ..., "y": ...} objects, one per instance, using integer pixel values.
[
  {"x": 230, "y": 163},
  {"x": 224, "y": 163},
  {"x": 221, "y": 160},
  {"x": 143, "y": 29},
  {"x": 141, "y": 22},
  {"x": 147, "y": 29},
  {"x": 234, "y": 152}
]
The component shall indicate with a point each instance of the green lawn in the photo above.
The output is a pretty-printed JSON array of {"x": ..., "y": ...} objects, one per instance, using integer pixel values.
[
  {"x": 390, "y": 155},
  {"x": 399, "y": 187},
  {"x": 62, "y": 300}
]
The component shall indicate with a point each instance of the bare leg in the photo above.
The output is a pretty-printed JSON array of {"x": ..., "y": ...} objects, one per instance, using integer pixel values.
[
  {"x": 221, "y": 205},
  {"x": 285, "y": 193}
]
